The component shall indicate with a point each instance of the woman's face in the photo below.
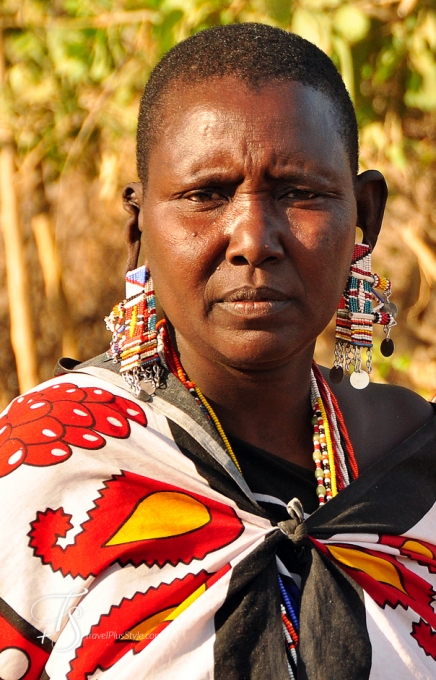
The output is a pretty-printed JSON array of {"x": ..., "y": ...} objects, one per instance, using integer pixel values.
[{"x": 249, "y": 218}]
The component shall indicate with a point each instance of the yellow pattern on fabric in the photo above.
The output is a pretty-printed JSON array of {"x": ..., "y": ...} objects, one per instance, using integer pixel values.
[
  {"x": 378, "y": 568},
  {"x": 161, "y": 515},
  {"x": 185, "y": 604},
  {"x": 416, "y": 547},
  {"x": 142, "y": 630}
]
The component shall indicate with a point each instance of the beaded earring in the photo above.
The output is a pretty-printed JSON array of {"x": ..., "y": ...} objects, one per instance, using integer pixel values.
[
  {"x": 134, "y": 337},
  {"x": 356, "y": 316}
]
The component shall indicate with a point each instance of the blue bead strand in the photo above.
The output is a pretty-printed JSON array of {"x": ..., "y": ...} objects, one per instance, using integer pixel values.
[{"x": 290, "y": 607}]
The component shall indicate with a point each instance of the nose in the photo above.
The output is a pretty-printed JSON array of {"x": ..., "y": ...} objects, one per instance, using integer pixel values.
[{"x": 256, "y": 232}]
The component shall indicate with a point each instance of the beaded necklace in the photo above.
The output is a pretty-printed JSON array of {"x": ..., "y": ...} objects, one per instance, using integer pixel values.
[
  {"x": 333, "y": 455},
  {"x": 335, "y": 463}
]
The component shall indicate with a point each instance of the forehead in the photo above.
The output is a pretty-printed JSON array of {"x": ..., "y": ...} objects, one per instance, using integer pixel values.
[{"x": 224, "y": 118}]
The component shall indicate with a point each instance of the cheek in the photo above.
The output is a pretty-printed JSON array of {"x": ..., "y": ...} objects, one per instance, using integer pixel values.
[
  {"x": 179, "y": 268},
  {"x": 324, "y": 262},
  {"x": 324, "y": 240}
]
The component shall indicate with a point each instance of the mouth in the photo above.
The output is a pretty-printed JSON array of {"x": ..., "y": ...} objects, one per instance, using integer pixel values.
[{"x": 254, "y": 302}]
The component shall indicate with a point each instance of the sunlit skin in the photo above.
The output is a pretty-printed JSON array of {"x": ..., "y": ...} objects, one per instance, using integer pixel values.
[
  {"x": 246, "y": 205},
  {"x": 248, "y": 219}
]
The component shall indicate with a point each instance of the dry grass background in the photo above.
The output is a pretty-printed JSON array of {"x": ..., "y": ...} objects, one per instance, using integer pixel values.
[{"x": 69, "y": 215}]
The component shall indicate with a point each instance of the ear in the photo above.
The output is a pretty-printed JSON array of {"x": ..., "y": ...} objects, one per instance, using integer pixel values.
[
  {"x": 371, "y": 197},
  {"x": 132, "y": 202}
]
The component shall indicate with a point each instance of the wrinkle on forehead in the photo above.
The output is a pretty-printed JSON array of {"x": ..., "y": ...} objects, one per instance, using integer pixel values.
[
  {"x": 207, "y": 138},
  {"x": 273, "y": 129}
]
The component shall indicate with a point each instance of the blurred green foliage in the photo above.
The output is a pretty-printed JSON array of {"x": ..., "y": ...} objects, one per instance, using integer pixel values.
[{"x": 78, "y": 66}]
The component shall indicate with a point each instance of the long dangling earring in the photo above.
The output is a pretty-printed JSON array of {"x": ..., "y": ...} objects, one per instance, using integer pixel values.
[
  {"x": 356, "y": 316},
  {"x": 134, "y": 338}
]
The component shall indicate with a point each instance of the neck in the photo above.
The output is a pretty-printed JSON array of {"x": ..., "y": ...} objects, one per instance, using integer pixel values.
[{"x": 267, "y": 408}]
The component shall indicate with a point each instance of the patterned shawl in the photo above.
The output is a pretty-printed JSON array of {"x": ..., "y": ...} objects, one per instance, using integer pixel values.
[{"x": 133, "y": 549}]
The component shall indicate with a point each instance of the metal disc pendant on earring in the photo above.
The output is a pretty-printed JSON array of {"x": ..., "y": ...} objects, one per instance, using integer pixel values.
[
  {"x": 387, "y": 347},
  {"x": 359, "y": 380},
  {"x": 336, "y": 374},
  {"x": 390, "y": 308}
]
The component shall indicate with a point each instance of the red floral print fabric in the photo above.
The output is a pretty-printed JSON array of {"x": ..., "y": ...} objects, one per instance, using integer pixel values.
[{"x": 41, "y": 427}]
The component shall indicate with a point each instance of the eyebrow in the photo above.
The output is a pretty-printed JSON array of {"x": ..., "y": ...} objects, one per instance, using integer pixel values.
[
  {"x": 209, "y": 178},
  {"x": 231, "y": 176}
]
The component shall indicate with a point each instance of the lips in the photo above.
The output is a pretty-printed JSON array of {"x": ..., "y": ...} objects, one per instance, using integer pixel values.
[
  {"x": 248, "y": 294},
  {"x": 253, "y": 302}
]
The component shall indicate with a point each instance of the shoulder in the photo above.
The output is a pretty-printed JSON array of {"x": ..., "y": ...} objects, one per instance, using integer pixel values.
[{"x": 380, "y": 417}]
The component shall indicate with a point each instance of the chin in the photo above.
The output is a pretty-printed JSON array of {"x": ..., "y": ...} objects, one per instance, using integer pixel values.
[{"x": 259, "y": 350}]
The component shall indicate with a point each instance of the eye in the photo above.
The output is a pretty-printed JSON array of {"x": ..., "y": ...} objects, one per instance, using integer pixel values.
[
  {"x": 299, "y": 194},
  {"x": 204, "y": 196}
]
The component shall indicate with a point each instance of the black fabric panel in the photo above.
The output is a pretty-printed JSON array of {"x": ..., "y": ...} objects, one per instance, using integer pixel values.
[
  {"x": 268, "y": 474},
  {"x": 210, "y": 469},
  {"x": 390, "y": 497},
  {"x": 249, "y": 641},
  {"x": 334, "y": 642},
  {"x": 65, "y": 365},
  {"x": 175, "y": 393}
]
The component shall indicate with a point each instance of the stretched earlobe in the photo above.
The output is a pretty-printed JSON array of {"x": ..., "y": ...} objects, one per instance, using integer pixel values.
[
  {"x": 132, "y": 202},
  {"x": 371, "y": 197}
]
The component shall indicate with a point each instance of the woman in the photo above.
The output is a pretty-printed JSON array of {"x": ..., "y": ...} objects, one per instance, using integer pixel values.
[{"x": 163, "y": 497}]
